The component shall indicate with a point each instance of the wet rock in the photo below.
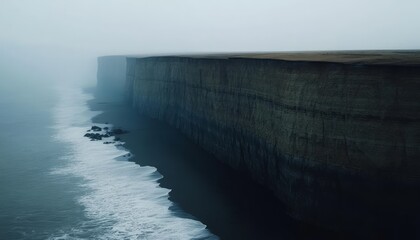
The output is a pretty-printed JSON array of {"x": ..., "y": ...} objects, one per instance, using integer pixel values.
[
  {"x": 94, "y": 136},
  {"x": 119, "y": 131},
  {"x": 96, "y": 129}
]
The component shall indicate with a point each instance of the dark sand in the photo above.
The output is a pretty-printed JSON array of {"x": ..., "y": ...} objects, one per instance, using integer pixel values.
[{"x": 229, "y": 203}]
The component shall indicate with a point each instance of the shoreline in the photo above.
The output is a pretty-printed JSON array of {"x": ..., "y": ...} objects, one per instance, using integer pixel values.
[{"x": 231, "y": 204}]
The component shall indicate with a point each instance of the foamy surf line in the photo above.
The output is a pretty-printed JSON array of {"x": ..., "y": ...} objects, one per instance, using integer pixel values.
[{"x": 121, "y": 199}]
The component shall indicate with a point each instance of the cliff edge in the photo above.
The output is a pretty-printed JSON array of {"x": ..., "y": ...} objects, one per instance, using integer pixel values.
[{"x": 334, "y": 135}]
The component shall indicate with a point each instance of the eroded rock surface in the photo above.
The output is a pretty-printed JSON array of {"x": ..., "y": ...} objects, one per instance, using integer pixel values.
[{"x": 338, "y": 143}]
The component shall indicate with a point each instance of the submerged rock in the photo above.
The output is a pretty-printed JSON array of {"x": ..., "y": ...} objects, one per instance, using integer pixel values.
[
  {"x": 94, "y": 136},
  {"x": 96, "y": 129},
  {"x": 108, "y": 133},
  {"x": 118, "y": 131}
]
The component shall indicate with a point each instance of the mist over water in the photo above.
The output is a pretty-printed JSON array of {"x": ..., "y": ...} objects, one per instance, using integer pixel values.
[
  {"x": 121, "y": 199},
  {"x": 56, "y": 184},
  {"x": 33, "y": 203}
]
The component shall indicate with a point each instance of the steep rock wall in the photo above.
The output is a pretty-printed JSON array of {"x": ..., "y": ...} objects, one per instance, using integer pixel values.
[
  {"x": 337, "y": 143},
  {"x": 111, "y": 78}
]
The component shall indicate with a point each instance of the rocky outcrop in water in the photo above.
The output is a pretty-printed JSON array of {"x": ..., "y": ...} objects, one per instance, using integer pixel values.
[{"x": 97, "y": 133}]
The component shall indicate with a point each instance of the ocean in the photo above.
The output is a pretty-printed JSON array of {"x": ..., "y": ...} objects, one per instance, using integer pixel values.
[
  {"x": 153, "y": 183},
  {"x": 57, "y": 184}
]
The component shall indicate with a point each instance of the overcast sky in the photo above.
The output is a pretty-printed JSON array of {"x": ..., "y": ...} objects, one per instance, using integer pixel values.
[{"x": 156, "y": 26}]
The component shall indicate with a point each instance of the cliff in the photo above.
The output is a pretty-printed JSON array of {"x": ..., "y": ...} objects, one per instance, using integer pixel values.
[
  {"x": 111, "y": 77},
  {"x": 336, "y": 141}
]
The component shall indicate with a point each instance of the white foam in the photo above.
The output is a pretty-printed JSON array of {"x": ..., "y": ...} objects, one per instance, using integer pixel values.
[{"x": 121, "y": 199}]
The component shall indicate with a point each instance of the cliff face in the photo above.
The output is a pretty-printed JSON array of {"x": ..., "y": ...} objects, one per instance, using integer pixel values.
[
  {"x": 111, "y": 77},
  {"x": 337, "y": 143}
]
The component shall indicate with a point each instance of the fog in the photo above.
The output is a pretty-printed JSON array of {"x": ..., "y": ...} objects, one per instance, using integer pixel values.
[{"x": 61, "y": 39}]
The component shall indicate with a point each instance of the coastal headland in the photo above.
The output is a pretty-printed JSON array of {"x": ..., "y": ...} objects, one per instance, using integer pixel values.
[{"x": 334, "y": 135}]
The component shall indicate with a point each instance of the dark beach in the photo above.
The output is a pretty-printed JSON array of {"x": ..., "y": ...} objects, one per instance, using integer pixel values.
[{"x": 229, "y": 203}]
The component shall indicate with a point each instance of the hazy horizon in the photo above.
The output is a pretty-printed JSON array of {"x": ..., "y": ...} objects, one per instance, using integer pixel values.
[
  {"x": 65, "y": 35},
  {"x": 202, "y": 149},
  {"x": 128, "y": 26}
]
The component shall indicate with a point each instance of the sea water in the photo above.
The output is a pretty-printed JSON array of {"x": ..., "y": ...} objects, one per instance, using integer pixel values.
[{"x": 57, "y": 184}]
